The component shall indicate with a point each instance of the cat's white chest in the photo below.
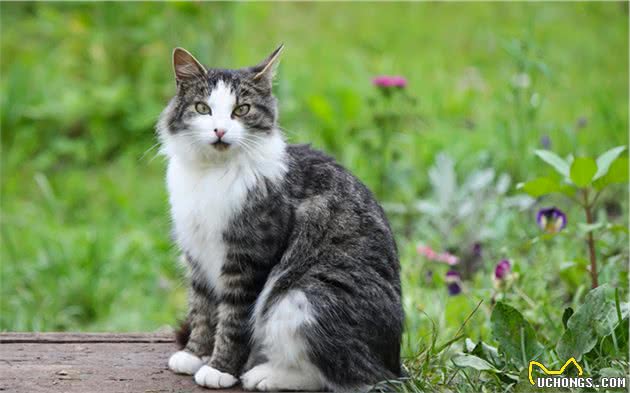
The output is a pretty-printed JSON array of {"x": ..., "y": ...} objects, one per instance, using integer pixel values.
[{"x": 202, "y": 204}]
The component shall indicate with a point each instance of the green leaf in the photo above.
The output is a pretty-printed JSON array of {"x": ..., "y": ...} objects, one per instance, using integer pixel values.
[
  {"x": 597, "y": 317},
  {"x": 488, "y": 353},
  {"x": 472, "y": 362},
  {"x": 573, "y": 344},
  {"x": 617, "y": 228},
  {"x": 615, "y": 344},
  {"x": 539, "y": 187},
  {"x": 516, "y": 337},
  {"x": 617, "y": 173},
  {"x": 567, "y": 190},
  {"x": 586, "y": 228},
  {"x": 560, "y": 165},
  {"x": 610, "y": 372},
  {"x": 582, "y": 171},
  {"x": 605, "y": 160},
  {"x": 598, "y": 312}
]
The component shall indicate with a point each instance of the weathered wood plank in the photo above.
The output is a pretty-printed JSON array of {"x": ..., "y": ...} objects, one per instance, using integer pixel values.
[
  {"x": 64, "y": 338},
  {"x": 60, "y": 362}
]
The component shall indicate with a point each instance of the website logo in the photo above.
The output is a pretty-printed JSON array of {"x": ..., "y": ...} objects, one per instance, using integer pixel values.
[
  {"x": 554, "y": 378},
  {"x": 552, "y": 372}
]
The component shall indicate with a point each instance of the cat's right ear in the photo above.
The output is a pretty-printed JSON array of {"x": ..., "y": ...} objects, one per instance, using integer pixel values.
[{"x": 186, "y": 66}]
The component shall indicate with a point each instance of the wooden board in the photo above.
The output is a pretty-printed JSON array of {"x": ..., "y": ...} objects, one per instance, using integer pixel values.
[{"x": 91, "y": 362}]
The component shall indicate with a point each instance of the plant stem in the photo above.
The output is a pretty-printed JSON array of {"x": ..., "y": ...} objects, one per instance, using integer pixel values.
[{"x": 591, "y": 243}]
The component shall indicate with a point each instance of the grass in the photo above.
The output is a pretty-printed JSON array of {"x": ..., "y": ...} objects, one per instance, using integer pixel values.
[{"x": 84, "y": 224}]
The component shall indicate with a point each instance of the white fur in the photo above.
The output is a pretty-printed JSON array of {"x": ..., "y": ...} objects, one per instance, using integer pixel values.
[
  {"x": 212, "y": 378},
  {"x": 207, "y": 187},
  {"x": 265, "y": 377},
  {"x": 204, "y": 199},
  {"x": 279, "y": 334},
  {"x": 183, "y": 362},
  {"x": 288, "y": 366}
]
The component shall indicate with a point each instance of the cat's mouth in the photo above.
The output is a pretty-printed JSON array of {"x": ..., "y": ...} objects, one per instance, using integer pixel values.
[{"x": 220, "y": 145}]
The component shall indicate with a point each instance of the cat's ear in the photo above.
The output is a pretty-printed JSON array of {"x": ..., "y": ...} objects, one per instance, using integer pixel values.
[
  {"x": 266, "y": 70},
  {"x": 186, "y": 66}
]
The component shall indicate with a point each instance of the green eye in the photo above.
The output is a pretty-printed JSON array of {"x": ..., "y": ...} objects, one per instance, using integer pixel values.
[
  {"x": 241, "y": 110},
  {"x": 202, "y": 108}
]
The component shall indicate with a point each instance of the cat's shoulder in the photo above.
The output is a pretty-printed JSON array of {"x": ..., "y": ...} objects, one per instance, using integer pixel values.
[{"x": 305, "y": 154}]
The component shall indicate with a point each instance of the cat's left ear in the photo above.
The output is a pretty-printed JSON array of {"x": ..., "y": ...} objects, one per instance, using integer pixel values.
[
  {"x": 186, "y": 66},
  {"x": 266, "y": 70}
]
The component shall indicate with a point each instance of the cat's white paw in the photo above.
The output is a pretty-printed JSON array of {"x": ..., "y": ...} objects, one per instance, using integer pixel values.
[
  {"x": 266, "y": 378},
  {"x": 213, "y": 378},
  {"x": 183, "y": 362},
  {"x": 253, "y": 377}
]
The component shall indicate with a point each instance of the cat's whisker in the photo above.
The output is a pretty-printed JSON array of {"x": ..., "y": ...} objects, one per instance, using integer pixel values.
[
  {"x": 148, "y": 150},
  {"x": 250, "y": 151},
  {"x": 250, "y": 145},
  {"x": 287, "y": 132}
]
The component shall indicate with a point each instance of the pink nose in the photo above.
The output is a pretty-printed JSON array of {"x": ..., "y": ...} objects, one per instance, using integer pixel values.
[{"x": 219, "y": 132}]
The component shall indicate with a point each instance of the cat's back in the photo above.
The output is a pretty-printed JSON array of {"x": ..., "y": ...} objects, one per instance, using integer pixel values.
[
  {"x": 310, "y": 162},
  {"x": 314, "y": 174},
  {"x": 330, "y": 198}
]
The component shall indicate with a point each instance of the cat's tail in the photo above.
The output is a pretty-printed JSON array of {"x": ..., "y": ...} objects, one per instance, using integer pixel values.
[{"x": 182, "y": 333}]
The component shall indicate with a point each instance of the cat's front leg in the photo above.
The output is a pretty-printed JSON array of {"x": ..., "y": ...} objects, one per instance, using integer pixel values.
[
  {"x": 231, "y": 347},
  {"x": 201, "y": 327}
]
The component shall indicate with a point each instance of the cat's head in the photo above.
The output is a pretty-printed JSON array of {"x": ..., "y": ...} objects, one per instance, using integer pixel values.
[{"x": 219, "y": 113}]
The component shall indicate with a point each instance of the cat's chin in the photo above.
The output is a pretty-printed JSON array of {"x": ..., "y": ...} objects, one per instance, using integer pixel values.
[
  {"x": 221, "y": 146},
  {"x": 202, "y": 156}
]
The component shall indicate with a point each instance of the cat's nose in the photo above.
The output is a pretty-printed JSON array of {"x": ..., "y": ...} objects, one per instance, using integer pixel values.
[{"x": 220, "y": 132}]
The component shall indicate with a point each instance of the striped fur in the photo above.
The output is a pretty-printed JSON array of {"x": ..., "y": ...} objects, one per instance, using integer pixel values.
[{"x": 293, "y": 268}]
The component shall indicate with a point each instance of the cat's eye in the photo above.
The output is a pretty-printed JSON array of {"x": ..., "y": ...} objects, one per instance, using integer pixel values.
[
  {"x": 241, "y": 110},
  {"x": 202, "y": 108}
]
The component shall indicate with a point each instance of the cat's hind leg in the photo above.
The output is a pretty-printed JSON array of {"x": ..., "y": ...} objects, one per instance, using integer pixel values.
[
  {"x": 336, "y": 331},
  {"x": 277, "y": 331}
]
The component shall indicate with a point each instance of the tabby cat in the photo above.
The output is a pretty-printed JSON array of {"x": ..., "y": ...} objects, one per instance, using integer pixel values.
[{"x": 293, "y": 269}]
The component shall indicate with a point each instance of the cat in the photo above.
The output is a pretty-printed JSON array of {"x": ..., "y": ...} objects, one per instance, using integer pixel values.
[{"x": 293, "y": 268}]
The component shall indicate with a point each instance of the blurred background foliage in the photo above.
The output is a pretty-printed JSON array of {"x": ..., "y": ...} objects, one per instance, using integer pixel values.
[{"x": 85, "y": 227}]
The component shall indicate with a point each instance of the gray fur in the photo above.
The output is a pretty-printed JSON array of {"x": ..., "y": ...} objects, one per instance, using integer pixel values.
[{"x": 318, "y": 230}]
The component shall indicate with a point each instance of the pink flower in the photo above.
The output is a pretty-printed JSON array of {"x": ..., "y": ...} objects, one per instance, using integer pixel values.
[
  {"x": 448, "y": 258},
  {"x": 386, "y": 81},
  {"x": 433, "y": 255},
  {"x": 427, "y": 252}
]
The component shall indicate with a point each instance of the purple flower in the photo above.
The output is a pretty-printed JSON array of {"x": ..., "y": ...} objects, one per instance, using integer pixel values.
[
  {"x": 476, "y": 250},
  {"x": 452, "y": 276},
  {"x": 454, "y": 289},
  {"x": 453, "y": 282},
  {"x": 386, "y": 81},
  {"x": 545, "y": 142},
  {"x": 551, "y": 219},
  {"x": 502, "y": 270}
]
